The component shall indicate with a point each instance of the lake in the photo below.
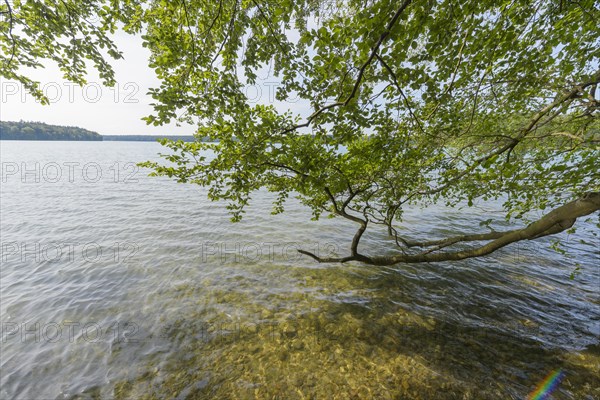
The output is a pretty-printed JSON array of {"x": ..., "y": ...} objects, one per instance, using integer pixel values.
[{"x": 118, "y": 285}]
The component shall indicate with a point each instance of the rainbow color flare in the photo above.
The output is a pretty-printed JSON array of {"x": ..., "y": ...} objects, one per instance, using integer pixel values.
[{"x": 547, "y": 386}]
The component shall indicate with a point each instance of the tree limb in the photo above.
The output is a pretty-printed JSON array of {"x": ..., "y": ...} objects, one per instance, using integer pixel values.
[{"x": 555, "y": 221}]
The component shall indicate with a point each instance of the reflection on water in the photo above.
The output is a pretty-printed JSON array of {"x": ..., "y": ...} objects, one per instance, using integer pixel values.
[{"x": 155, "y": 295}]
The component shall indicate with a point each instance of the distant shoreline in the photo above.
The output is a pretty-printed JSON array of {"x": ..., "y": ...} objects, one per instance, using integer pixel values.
[
  {"x": 40, "y": 131},
  {"x": 127, "y": 139}
]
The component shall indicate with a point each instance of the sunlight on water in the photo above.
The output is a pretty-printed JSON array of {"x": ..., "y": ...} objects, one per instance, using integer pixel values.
[{"x": 117, "y": 285}]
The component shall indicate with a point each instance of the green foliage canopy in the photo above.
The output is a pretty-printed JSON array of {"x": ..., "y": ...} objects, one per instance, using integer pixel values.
[{"x": 413, "y": 102}]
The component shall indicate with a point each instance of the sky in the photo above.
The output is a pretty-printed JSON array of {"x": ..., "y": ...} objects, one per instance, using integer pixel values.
[{"x": 106, "y": 110}]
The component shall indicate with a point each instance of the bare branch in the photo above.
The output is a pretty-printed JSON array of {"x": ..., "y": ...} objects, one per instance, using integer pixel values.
[{"x": 555, "y": 221}]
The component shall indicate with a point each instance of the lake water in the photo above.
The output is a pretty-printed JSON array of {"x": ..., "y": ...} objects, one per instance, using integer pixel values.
[{"x": 118, "y": 285}]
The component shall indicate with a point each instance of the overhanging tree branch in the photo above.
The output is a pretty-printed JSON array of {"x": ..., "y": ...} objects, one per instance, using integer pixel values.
[{"x": 555, "y": 221}]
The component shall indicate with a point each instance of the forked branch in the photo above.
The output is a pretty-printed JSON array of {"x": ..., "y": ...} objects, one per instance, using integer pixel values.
[{"x": 556, "y": 221}]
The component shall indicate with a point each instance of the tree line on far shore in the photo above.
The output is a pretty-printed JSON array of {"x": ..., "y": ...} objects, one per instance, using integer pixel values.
[{"x": 23, "y": 130}]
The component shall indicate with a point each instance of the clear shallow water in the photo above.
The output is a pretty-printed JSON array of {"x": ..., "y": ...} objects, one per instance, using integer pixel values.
[{"x": 141, "y": 288}]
